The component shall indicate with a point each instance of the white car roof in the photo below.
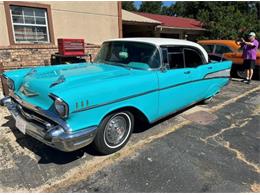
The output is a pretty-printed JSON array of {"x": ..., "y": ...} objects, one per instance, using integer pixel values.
[{"x": 165, "y": 41}]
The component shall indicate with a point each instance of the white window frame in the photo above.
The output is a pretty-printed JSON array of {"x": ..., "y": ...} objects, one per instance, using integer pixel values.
[{"x": 30, "y": 25}]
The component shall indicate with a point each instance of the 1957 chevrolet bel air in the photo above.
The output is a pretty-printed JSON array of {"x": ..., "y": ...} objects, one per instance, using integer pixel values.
[{"x": 70, "y": 106}]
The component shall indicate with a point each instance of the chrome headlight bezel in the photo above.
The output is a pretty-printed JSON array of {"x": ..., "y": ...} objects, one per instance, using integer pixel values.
[{"x": 60, "y": 106}]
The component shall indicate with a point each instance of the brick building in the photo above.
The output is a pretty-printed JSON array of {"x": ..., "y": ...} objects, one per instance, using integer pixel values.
[{"x": 29, "y": 30}]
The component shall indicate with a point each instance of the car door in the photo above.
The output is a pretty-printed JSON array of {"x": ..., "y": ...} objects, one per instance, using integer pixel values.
[
  {"x": 195, "y": 60},
  {"x": 206, "y": 76},
  {"x": 174, "y": 89}
]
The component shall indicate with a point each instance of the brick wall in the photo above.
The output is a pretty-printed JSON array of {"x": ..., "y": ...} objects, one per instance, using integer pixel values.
[{"x": 12, "y": 57}]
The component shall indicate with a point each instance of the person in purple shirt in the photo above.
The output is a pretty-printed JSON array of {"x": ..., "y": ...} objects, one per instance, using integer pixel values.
[{"x": 249, "y": 55}]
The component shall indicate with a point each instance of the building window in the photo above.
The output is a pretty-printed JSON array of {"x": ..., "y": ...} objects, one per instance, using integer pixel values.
[{"x": 29, "y": 23}]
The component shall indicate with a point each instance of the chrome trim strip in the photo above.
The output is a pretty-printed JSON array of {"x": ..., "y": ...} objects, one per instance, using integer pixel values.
[
  {"x": 150, "y": 91},
  {"x": 221, "y": 73},
  {"x": 114, "y": 101},
  {"x": 172, "y": 86}
]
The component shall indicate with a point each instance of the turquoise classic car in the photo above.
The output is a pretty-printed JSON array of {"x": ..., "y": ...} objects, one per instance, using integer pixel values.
[{"x": 70, "y": 106}]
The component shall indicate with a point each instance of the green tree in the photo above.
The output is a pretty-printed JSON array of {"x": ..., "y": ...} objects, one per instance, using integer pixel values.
[
  {"x": 154, "y": 7},
  {"x": 223, "y": 20},
  {"x": 128, "y": 5},
  {"x": 189, "y": 9},
  {"x": 168, "y": 10}
]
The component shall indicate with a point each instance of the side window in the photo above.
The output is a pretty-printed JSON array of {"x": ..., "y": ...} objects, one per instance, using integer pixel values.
[
  {"x": 176, "y": 58},
  {"x": 192, "y": 58},
  {"x": 221, "y": 49},
  {"x": 208, "y": 48},
  {"x": 165, "y": 55}
]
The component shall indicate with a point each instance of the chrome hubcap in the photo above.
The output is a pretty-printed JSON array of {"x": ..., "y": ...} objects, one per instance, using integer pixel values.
[{"x": 117, "y": 130}]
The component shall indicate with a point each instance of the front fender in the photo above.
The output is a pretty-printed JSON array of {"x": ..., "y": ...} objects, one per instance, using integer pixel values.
[
  {"x": 17, "y": 76},
  {"x": 147, "y": 104},
  {"x": 89, "y": 104}
]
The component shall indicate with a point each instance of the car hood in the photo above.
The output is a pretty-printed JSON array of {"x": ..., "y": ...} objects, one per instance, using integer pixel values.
[{"x": 39, "y": 83}]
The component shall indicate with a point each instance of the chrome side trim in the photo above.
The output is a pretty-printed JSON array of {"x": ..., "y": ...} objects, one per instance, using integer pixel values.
[
  {"x": 148, "y": 92},
  {"x": 221, "y": 73},
  {"x": 114, "y": 101}
]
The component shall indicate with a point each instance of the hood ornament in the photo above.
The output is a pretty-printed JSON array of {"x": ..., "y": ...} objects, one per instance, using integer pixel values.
[
  {"x": 61, "y": 79},
  {"x": 31, "y": 72},
  {"x": 28, "y": 92}
]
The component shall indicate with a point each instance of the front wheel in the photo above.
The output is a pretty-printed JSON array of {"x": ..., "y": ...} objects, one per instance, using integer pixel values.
[
  {"x": 208, "y": 100},
  {"x": 114, "y": 132}
]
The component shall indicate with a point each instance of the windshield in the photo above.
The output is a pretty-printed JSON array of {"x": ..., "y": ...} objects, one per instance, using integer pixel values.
[{"x": 129, "y": 54}]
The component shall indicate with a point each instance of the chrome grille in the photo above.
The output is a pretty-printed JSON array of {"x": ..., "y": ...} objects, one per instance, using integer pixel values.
[{"x": 30, "y": 116}]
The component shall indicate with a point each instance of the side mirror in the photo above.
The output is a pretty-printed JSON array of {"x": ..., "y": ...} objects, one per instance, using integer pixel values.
[{"x": 90, "y": 58}]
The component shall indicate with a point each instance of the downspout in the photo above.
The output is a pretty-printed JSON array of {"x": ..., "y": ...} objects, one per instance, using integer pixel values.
[{"x": 119, "y": 9}]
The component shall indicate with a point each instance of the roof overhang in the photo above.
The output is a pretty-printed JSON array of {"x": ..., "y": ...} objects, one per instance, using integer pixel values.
[{"x": 132, "y": 18}]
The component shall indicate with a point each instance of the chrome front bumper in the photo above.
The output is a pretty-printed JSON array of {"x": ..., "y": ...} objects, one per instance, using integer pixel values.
[{"x": 53, "y": 134}]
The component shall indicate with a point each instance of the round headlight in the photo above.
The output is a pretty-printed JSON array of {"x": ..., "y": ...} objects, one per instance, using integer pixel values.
[
  {"x": 10, "y": 84},
  {"x": 61, "y": 107}
]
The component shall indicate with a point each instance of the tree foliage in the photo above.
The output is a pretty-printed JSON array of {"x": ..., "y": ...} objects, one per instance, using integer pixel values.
[
  {"x": 129, "y": 5},
  {"x": 168, "y": 10},
  {"x": 154, "y": 7},
  {"x": 222, "y": 19}
]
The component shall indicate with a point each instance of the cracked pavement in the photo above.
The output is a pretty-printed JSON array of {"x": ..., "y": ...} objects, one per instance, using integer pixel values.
[{"x": 206, "y": 148}]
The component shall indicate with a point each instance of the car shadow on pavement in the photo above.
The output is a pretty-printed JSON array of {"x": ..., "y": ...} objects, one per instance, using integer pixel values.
[
  {"x": 142, "y": 126},
  {"x": 47, "y": 154}
]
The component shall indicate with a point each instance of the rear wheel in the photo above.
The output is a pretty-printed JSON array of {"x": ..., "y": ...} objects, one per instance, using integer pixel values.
[
  {"x": 241, "y": 74},
  {"x": 114, "y": 132}
]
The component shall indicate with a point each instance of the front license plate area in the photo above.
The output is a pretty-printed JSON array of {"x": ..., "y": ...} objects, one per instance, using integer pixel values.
[{"x": 20, "y": 124}]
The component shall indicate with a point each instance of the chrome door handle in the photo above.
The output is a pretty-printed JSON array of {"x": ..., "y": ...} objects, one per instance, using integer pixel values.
[
  {"x": 187, "y": 72},
  {"x": 210, "y": 67}
]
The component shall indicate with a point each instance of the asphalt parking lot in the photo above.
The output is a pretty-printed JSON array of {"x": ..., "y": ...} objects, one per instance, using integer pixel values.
[{"x": 206, "y": 148}]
